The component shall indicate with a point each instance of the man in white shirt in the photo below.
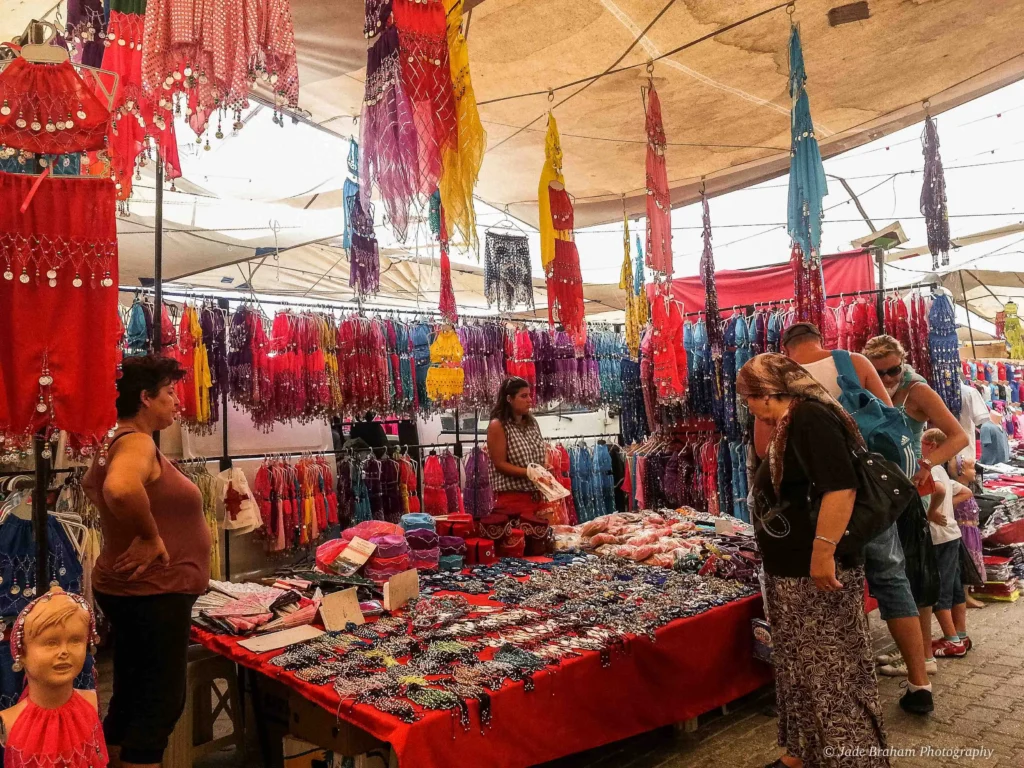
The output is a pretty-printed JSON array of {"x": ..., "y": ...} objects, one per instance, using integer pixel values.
[
  {"x": 973, "y": 413},
  {"x": 951, "y": 608}
]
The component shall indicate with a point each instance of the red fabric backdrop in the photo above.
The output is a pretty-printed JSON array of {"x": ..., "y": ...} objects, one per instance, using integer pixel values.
[
  {"x": 844, "y": 273},
  {"x": 696, "y": 665}
]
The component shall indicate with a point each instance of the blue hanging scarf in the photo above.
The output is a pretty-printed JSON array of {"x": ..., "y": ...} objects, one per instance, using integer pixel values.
[{"x": 807, "y": 187}]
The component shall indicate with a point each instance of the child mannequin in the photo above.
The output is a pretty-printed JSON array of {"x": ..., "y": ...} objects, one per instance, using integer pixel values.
[{"x": 53, "y": 724}]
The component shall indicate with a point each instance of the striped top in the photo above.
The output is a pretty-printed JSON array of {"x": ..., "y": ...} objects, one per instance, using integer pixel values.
[{"x": 524, "y": 446}]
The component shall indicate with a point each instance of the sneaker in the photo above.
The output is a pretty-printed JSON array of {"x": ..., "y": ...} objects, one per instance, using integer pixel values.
[
  {"x": 889, "y": 658},
  {"x": 896, "y": 669},
  {"x": 899, "y": 669},
  {"x": 944, "y": 649},
  {"x": 967, "y": 644},
  {"x": 917, "y": 702}
]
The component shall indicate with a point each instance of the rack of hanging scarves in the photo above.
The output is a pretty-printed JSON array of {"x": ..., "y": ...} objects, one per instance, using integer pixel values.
[
  {"x": 923, "y": 323},
  {"x": 302, "y": 364},
  {"x": 303, "y": 499}
]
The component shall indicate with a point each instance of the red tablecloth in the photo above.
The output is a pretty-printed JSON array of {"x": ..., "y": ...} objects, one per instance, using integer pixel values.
[{"x": 696, "y": 665}]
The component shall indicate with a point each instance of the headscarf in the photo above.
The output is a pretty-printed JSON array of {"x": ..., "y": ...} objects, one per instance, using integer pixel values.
[{"x": 771, "y": 374}]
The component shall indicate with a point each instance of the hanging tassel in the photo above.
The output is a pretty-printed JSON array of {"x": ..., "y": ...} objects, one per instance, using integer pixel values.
[
  {"x": 707, "y": 277},
  {"x": 933, "y": 196},
  {"x": 807, "y": 187},
  {"x": 446, "y": 303}
]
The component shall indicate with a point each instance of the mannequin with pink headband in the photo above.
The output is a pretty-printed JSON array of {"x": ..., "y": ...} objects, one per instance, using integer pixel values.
[{"x": 53, "y": 725}]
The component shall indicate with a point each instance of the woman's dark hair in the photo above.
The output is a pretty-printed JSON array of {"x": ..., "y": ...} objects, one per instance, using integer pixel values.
[
  {"x": 510, "y": 387},
  {"x": 144, "y": 374}
]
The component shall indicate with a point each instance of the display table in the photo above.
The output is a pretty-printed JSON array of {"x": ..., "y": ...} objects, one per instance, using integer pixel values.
[{"x": 697, "y": 664}]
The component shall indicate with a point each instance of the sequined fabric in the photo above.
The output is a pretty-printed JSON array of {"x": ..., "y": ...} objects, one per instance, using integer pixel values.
[
  {"x": 214, "y": 51},
  {"x": 659, "y": 206},
  {"x": 388, "y": 141}
]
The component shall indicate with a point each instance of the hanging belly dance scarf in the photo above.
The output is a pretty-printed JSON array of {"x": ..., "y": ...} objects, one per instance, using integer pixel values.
[
  {"x": 48, "y": 109},
  {"x": 463, "y": 158},
  {"x": 659, "y": 206},
  {"x": 214, "y": 50},
  {"x": 138, "y": 114},
  {"x": 58, "y": 308},
  {"x": 507, "y": 276},
  {"x": 564, "y": 281},
  {"x": 427, "y": 77},
  {"x": 388, "y": 142},
  {"x": 364, "y": 256}
]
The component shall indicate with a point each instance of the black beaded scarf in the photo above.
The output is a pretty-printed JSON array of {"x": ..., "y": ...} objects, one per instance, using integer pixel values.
[{"x": 507, "y": 275}]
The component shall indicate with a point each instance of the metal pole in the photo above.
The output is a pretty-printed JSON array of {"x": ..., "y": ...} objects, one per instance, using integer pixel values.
[
  {"x": 458, "y": 436},
  {"x": 158, "y": 258},
  {"x": 880, "y": 299},
  {"x": 225, "y": 458},
  {"x": 158, "y": 266},
  {"x": 39, "y": 515},
  {"x": 967, "y": 309}
]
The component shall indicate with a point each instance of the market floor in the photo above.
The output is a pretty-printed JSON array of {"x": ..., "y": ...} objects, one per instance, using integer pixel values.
[{"x": 979, "y": 705}]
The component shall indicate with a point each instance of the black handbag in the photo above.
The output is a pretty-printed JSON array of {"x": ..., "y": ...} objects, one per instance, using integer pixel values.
[{"x": 883, "y": 494}]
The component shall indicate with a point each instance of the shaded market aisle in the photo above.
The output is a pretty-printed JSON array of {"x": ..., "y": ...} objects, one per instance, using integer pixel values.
[{"x": 978, "y": 704}]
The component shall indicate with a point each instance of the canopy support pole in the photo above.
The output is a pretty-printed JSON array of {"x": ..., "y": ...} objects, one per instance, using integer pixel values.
[
  {"x": 158, "y": 266},
  {"x": 40, "y": 515},
  {"x": 967, "y": 309},
  {"x": 880, "y": 299},
  {"x": 225, "y": 457}
]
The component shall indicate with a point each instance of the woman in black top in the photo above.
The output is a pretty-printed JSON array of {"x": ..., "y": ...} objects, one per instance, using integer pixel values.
[{"x": 829, "y": 714}]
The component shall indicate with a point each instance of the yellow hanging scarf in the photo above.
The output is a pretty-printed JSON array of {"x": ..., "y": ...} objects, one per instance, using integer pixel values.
[
  {"x": 461, "y": 160},
  {"x": 633, "y": 322},
  {"x": 445, "y": 377},
  {"x": 552, "y": 171}
]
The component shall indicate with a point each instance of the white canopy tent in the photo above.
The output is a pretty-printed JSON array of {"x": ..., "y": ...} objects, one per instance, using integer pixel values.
[{"x": 279, "y": 188}]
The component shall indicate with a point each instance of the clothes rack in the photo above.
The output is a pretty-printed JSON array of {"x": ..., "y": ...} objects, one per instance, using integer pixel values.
[{"x": 332, "y": 305}]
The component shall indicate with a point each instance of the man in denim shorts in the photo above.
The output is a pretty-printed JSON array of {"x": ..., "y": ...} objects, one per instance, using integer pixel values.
[{"x": 884, "y": 566}]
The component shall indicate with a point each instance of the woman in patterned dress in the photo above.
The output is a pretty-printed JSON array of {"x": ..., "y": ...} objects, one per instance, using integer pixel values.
[{"x": 826, "y": 693}]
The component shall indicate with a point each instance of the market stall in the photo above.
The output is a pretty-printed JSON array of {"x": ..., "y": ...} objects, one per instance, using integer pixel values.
[
  {"x": 633, "y": 607},
  {"x": 694, "y": 666}
]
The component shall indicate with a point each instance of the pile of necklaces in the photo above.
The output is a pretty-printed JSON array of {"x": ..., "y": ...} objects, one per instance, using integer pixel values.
[{"x": 440, "y": 652}]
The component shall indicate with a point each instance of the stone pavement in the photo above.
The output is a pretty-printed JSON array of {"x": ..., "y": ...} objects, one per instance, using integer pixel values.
[{"x": 979, "y": 705}]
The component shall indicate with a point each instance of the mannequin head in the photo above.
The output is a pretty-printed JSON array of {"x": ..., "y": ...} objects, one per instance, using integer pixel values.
[{"x": 50, "y": 641}]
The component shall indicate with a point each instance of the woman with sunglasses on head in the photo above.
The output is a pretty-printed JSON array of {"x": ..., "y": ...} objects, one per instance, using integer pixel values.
[{"x": 920, "y": 404}]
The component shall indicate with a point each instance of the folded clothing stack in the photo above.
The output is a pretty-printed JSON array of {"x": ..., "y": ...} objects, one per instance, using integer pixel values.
[
  {"x": 390, "y": 558},
  {"x": 417, "y": 520},
  {"x": 450, "y": 562},
  {"x": 452, "y": 545},
  {"x": 513, "y": 544},
  {"x": 537, "y": 533},
  {"x": 457, "y": 524},
  {"x": 480, "y": 552}
]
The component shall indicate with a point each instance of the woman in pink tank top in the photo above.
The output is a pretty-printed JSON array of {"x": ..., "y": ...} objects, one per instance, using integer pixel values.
[{"x": 155, "y": 562}]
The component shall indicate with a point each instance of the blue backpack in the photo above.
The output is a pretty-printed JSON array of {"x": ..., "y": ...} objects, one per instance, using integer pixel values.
[{"x": 884, "y": 429}]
